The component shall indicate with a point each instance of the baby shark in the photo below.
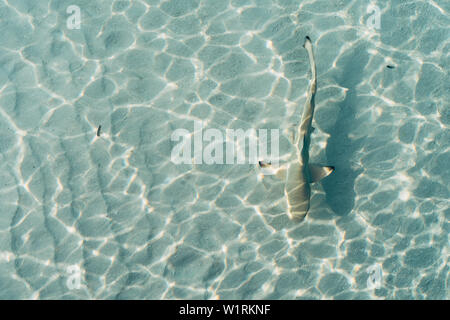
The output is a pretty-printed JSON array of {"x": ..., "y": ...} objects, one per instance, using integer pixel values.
[{"x": 298, "y": 173}]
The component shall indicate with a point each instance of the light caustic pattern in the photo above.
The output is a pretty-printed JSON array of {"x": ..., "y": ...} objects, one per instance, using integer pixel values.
[{"x": 136, "y": 225}]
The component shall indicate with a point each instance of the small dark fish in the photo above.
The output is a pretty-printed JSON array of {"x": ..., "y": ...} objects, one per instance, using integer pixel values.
[
  {"x": 98, "y": 130},
  {"x": 264, "y": 164},
  {"x": 390, "y": 67}
]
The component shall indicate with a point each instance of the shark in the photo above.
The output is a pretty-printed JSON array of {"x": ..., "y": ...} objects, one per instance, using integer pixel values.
[{"x": 298, "y": 173}]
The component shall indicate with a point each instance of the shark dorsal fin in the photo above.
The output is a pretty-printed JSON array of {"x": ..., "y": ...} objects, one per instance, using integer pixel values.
[{"x": 318, "y": 172}]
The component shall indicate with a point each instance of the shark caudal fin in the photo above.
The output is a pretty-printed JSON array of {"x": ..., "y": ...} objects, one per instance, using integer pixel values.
[{"x": 318, "y": 172}]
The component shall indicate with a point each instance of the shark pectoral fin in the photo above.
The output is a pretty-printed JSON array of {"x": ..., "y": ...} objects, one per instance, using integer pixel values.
[{"x": 318, "y": 172}]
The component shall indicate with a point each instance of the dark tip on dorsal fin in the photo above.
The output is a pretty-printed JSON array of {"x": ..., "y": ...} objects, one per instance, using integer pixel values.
[{"x": 306, "y": 38}]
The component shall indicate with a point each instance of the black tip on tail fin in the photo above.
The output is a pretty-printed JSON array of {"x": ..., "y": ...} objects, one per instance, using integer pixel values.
[{"x": 318, "y": 172}]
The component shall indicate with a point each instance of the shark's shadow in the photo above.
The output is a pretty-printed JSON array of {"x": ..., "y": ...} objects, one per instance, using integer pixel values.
[{"x": 339, "y": 186}]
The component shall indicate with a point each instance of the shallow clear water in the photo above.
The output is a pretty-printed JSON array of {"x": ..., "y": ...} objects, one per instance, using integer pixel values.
[{"x": 111, "y": 216}]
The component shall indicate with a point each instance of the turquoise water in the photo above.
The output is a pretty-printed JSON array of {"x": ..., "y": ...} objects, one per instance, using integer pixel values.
[{"x": 134, "y": 225}]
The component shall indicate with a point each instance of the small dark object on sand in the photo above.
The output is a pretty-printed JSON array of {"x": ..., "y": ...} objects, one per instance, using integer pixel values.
[
  {"x": 263, "y": 164},
  {"x": 98, "y": 130}
]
